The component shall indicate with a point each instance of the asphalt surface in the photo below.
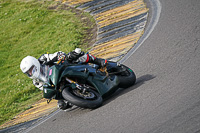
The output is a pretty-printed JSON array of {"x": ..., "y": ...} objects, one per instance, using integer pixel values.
[{"x": 166, "y": 97}]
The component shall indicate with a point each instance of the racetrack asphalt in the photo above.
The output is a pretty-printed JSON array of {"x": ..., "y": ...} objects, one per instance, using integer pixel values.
[{"x": 166, "y": 97}]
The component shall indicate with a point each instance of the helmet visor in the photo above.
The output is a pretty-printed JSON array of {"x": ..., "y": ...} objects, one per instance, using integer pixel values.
[
  {"x": 31, "y": 71},
  {"x": 39, "y": 73}
]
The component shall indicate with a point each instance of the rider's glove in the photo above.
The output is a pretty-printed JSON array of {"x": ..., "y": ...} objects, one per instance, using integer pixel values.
[{"x": 38, "y": 84}]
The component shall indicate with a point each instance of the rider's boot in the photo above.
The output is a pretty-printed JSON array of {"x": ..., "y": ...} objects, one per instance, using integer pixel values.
[{"x": 100, "y": 62}]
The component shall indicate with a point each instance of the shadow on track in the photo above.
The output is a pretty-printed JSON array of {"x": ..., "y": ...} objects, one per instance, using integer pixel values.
[{"x": 139, "y": 81}]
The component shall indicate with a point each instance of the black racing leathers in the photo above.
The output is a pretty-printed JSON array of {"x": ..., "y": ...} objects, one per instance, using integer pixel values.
[{"x": 73, "y": 57}]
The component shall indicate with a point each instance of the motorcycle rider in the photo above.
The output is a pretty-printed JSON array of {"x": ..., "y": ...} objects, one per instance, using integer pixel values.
[{"x": 36, "y": 69}]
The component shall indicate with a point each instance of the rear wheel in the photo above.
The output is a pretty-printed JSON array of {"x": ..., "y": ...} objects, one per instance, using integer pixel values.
[
  {"x": 126, "y": 78},
  {"x": 87, "y": 99}
]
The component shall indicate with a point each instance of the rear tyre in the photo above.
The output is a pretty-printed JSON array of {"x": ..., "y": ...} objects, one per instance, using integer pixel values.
[
  {"x": 89, "y": 99},
  {"x": 126, "y": 78}
]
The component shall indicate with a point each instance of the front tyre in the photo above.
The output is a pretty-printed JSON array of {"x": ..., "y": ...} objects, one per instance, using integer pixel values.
[
  {"x": 89, "y": 99},
  {"x": 126, "y": 78}
]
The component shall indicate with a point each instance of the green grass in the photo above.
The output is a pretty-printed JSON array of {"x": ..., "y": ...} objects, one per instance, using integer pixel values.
[{"x": 31, "y": 28}]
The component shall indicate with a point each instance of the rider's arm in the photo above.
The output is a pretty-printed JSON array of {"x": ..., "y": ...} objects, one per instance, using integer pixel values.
[{"x": 50, "y": 59}]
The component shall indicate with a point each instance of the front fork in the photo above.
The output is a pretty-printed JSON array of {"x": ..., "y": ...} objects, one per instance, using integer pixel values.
[{"x": 83, "y": 89}]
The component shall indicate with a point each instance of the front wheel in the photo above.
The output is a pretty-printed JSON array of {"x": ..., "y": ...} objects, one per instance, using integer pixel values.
[
  {"x": 87, "y": 99},
  {"x": 126, "y": 78}
]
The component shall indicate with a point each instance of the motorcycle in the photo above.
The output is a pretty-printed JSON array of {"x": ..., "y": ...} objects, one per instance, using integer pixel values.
[{"x": 85, "y": 85}]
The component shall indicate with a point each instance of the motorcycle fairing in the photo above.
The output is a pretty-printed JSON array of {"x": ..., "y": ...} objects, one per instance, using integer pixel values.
[{"x": 102, "y": 83}]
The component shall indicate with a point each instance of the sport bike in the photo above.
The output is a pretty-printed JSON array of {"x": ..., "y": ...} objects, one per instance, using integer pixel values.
[{"x": 85, "y": 85}]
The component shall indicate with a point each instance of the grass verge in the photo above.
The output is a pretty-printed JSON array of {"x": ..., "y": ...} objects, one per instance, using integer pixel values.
[{"x": 34, "y": 27}]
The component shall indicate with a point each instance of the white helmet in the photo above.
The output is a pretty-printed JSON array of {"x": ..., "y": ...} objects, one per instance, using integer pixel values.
[{"x": 32, "y": 68}]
